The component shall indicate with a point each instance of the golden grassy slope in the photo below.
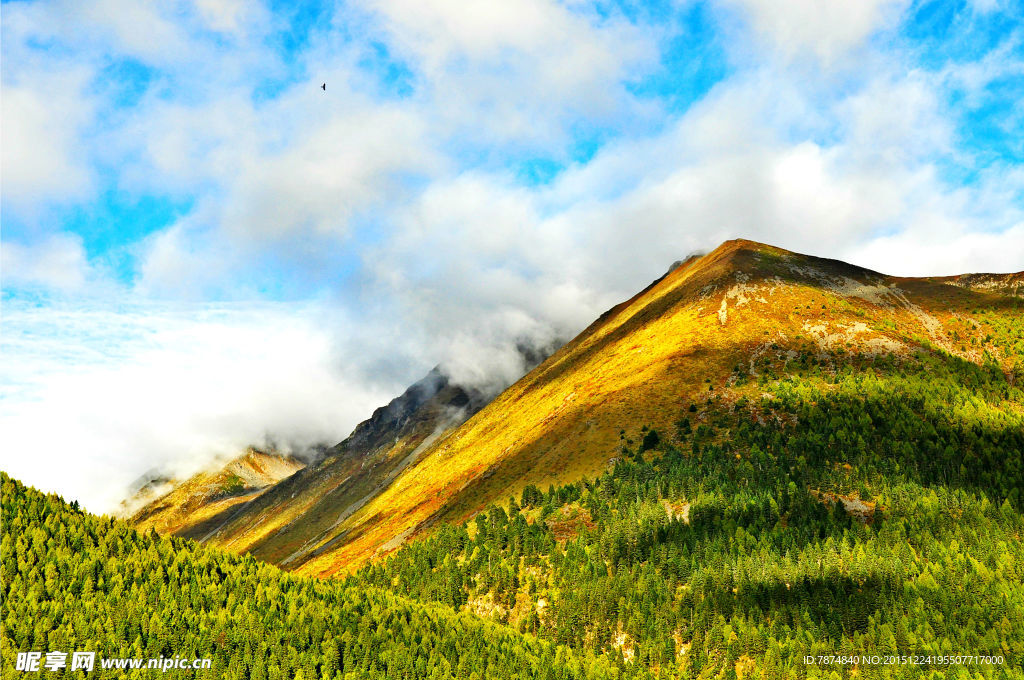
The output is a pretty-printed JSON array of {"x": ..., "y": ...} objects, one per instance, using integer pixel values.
[
  {"x": 644, "y": 362},
  {"x": 211, "y": 492}
]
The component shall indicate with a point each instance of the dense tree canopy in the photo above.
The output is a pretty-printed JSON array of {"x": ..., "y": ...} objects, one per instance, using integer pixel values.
[{"x": 75, "y": 582}]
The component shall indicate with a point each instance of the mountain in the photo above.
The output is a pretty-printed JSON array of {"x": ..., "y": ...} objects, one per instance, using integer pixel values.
[
  {"x": 130, "y": 597},
  {"x": 797, "y": 467},
  {"x": 1005, "y": 284},
  {"x": 707, "y": 327},
  {"x": 277, "y": 523}
]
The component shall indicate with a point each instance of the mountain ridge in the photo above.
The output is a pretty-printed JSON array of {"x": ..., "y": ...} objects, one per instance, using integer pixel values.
[
  {"x": 702, "y": 292},
  {"x": 167, "y": 505},
  {"x": 704, "y": 327}
]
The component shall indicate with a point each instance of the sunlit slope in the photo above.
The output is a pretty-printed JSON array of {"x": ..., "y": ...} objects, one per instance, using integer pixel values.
[
  {"x": 214, "y": 491},
  {"x": 708, "y": 323}
]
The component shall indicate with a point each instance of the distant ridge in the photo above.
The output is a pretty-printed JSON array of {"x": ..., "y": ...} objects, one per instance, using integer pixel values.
[{"x": 168, "y": 505}]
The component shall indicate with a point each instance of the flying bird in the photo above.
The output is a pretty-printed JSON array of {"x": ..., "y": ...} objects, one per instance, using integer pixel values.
[{"x": 324, "y": 87}]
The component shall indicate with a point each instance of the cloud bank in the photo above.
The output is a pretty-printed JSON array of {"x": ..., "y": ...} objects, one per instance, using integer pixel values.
[{"x": 100, "y": 395}]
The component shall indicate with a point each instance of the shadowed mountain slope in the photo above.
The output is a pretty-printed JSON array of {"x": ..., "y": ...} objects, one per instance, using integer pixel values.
[
  {"x": 288, "y": 521},
  {"x": 275, "y": 525}
]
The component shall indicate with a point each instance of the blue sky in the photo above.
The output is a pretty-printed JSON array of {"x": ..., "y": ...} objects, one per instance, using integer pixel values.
[{"x": 475, "y": 172}]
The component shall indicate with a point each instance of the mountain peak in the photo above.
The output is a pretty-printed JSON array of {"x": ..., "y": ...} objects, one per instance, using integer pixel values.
[
  {"x": 760, "y": 260},
  {"x": 174, "y": 504},
  {"x": 695, "y": 331}
]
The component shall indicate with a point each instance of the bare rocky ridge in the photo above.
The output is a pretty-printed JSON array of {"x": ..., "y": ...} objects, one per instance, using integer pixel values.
[{"x": 1005, "y": 284}]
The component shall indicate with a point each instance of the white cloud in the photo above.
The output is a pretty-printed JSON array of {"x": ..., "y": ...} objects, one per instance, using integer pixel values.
[
  {"x": 43, "y": 115},
  {"x": 226, "y": 15},
  {"x": 57, "y": 264},
  {"x": 335, "y": 168},
  {"x": 476, "y": 259},
  {"x": 138, "y": 29},
  {"x": 156, "y": 33},
  {"x": 291, "y": 194},
  {"x": 826, "y": 28},
  {"x": 163, "y": 34},
  {"x": 185, "y": 260},
  {"x": 499, "y": 73},
  {"x": 559, "y": 255},
  {"x": 61, "y": 118},
  {"x": 943, "y": 246},
  {"x": 96, "y": 396},
  {"x": 985, "y": 6},
  {"x": 474, "y": 247},
  {"x": 897, "y": 118}
]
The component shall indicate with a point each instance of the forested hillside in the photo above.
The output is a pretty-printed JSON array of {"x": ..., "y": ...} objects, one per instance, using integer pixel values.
[
  {"x": 75, "y": 582},
  {"x": 865, "y": 507},
  {"x": 870, "y": 506}
]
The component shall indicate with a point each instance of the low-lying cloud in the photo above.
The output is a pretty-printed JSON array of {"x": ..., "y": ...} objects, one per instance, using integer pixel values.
[{"x": 104, "y": 394}]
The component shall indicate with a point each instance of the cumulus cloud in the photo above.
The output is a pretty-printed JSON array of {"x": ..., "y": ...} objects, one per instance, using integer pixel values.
[
  {"x": 336, "y": 168},
  {"x": 184, "y": 260},
  {"x": 228, "y": 16},
  {"x": 515, "y": 73},
  {"x": 560, "y": 254},
  {"x": 43, "y": 116},
  {"x": 943, "y": 245},
  {"x": 137, "y": 29}
]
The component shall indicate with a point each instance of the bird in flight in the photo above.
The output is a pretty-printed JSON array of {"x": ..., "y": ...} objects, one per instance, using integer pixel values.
[{"x": 324, "y": 87}]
